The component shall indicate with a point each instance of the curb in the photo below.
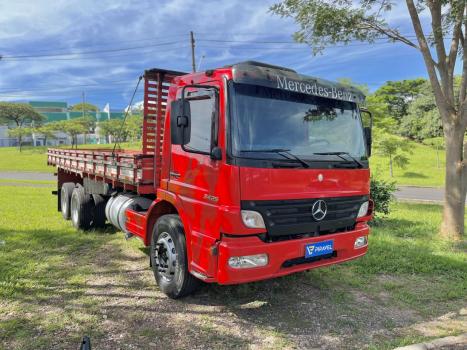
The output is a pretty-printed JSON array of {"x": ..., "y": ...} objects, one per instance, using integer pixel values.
[
  {"x": 421, "y": 186},
  {"x": 447, "y": 343}
]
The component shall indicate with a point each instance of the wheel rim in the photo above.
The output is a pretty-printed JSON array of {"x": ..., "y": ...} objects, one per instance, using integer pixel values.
[
  {"x": 74, "y": 210},
  {"x": 165, "y": 256}
]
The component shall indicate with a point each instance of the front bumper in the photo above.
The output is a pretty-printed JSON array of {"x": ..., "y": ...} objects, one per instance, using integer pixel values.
[{"x": 280, "y": 252}]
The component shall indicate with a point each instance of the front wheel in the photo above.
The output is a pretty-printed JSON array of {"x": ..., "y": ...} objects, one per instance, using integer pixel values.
[{"x": 169, "y": 258}]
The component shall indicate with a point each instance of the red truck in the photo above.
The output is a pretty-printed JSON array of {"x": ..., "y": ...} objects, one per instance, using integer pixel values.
[{"x": 247, "y": 172}]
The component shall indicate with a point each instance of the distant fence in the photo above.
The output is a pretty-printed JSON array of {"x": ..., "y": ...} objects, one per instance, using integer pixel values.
[{"x": 8, "y": 142}]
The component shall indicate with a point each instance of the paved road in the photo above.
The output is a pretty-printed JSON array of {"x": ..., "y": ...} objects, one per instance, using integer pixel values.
[
  {"x": 23, "y": 175},
  {"x": 420, "y": 194}
]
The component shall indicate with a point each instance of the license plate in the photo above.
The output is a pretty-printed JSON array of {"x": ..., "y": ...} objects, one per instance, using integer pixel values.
[{"x": 319, "y": 248}]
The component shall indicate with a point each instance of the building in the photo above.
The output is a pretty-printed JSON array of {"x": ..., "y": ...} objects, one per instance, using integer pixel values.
[{"x": 58, "y": 111}]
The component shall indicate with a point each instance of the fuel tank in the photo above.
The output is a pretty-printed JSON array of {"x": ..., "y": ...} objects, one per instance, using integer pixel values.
[{"x": 117, "y": 206}]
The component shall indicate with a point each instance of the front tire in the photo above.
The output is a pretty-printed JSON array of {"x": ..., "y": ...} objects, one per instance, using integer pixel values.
[
  {"x": 169, "y": 258},
  {"x": 82, "y": 207}
]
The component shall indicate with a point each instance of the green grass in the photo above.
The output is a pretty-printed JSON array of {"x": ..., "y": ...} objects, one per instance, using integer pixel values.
[
  {"x": 30, "y": 159},
  {"x": 410, "y": 262},
  {"x": 46, "y": 269},
  {"x": 422, "y": 169}
]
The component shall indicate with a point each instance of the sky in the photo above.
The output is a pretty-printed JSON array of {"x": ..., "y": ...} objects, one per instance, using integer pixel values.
[{"x": 54, "y": 50}]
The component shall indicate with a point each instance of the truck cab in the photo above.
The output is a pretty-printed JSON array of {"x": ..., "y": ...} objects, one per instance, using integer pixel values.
[
  {"x": 258, "y": 172},
  {"x": 267, "y": 165}
]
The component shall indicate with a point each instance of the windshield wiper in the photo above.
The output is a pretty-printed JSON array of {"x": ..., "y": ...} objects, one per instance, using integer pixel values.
[
  {"x": 280, "y": 151},
  {"x": 340, "y": 155}
]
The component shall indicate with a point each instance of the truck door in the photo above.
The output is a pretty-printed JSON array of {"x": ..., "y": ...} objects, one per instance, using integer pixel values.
[{"x": 194, "y": 175}]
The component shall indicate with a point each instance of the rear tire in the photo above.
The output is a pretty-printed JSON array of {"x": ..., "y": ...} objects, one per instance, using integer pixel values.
[
  {"x": 98, "y": 220},
  {"x": 82, "y": 207},
  {"x": 169, "y": 258},
  {"x": 65, "y": 199}
]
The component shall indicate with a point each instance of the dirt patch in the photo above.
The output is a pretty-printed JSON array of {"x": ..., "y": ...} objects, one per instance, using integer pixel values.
[
  {"x": 291, "y": 312},
  {"x": 118, "y": 304}
]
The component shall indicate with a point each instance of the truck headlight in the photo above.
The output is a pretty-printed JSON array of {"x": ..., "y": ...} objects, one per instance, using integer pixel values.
[
  {"x": 247, "y": 261},
  {"x": 361, "y": 242},
  {"x": 363, "y": 209},
  {"x": 252, "y": 219}
]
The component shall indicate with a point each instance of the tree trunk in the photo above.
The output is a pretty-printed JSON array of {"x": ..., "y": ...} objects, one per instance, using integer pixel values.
[
  {"x": 437, "y": 157},
  {"x": 390, "y": 166},
  {"x": 455, "y": 186}
]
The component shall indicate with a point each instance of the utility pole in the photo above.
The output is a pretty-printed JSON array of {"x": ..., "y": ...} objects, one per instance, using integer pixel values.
[
  {"x": 193, "y": 64},
  {"x": 83, "y": 104}
]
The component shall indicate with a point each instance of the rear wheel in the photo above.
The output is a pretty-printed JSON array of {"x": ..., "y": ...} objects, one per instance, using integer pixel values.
[
  {"x": 82, "y": 207},
  {"x": 65, "y": 199},
  {"x": 169, "y": 258},
  {"x": 98, "y": 220}
]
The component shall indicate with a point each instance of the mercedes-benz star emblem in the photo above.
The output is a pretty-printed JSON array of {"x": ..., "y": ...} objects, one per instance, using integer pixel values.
[{"x": 319, "y": 210}]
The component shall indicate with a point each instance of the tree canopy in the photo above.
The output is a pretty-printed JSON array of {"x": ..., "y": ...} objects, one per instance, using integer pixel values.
[
  {"x": 398, "y": 95},
  {"x": 88, "y": 107},
  {"x": 19, "y": 114}
]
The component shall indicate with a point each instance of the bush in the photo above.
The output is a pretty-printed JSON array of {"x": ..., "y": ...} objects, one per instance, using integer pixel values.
[{"x": 381, "y": 192}]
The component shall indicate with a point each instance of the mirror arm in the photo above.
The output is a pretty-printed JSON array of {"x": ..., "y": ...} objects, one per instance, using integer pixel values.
[{"x": 367, "y": 111}]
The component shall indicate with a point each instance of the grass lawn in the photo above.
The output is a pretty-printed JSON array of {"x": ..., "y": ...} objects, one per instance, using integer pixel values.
[
  {"x": 57, "y": 285},
  {"x": 30, "y": 159},
  {"x": 422, "y": 169}
]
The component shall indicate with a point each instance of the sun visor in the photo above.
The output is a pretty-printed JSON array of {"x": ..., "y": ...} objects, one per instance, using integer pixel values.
[{"x": 293, "y": 82}]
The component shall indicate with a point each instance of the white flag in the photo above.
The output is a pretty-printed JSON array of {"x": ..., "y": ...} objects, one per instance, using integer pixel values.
[{"x": 107, "y": 110}]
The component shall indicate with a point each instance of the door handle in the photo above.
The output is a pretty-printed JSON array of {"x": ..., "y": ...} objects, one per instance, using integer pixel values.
[{"x": 174, "y": 174}]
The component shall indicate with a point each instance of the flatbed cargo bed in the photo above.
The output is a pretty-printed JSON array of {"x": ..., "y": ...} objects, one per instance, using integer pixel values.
[{"x": 125, "y": 169}]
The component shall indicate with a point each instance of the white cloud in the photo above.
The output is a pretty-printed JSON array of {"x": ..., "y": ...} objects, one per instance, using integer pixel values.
[{"x": 44, "y": 26}]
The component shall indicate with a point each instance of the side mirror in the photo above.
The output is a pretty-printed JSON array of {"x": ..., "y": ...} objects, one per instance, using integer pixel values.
[
  {"x": 180, "y": 122},
  {"x": 368, "y": 139},
  {"x": 367, "y": 130},
  {"x": 216, "y": 153}
]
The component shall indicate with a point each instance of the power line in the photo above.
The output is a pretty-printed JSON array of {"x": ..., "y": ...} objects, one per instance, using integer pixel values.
[
  {"x": 92, "y": 52},
  {"x": 96, "y": 57},
  {"x": 108, "y": 43},
  {"x": 114, "y": 82}
]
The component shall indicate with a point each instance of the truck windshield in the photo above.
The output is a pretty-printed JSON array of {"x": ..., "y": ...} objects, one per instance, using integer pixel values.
[{"x": 265, "y": 120}]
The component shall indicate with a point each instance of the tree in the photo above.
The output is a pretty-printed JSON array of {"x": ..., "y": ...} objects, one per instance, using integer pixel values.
[
  {"x": 111, "y": 128},
  {"x": 86, "y": 107},
  {"x": 19, "y": 114},
  {"x": 72, "y": 128},
  {"x": 134, "y": 127},
  {"x": 438, "y": 144},
  {"x": 395, "y": 149},
  {"x": 20, "y": 133},
  {"x": 47, "y": 131},
  {"x": 397, "y": 95},
  {"x": 88, "y": 124},
  {"x": 422, "y": 120},
  {"x": 327, "y": 22}
]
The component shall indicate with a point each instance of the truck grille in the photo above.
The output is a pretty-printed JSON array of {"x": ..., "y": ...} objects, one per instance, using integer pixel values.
[{"x": 293, "y": 218}]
